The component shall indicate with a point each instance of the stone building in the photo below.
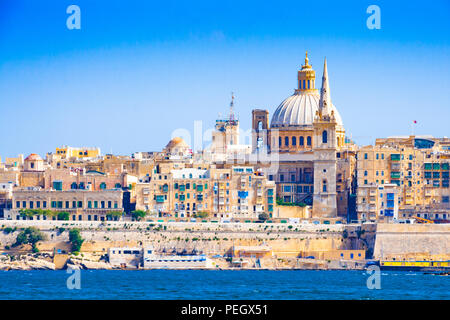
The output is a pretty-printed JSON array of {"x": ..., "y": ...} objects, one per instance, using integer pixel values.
[
  {"x": 308, "y": 136},
  {"x": 80, "y": 204},
  {"x": 418, "y": 166}
]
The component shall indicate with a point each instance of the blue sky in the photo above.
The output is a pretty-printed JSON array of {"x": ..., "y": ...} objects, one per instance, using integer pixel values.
[{"x": 138, "y": 70}]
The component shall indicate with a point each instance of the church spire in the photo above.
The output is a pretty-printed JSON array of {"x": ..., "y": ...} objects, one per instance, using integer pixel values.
[{"x": 325, "y": 98}]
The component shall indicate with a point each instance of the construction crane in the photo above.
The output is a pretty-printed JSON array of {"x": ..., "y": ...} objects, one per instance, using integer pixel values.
[{"x": 423, "y": 220}]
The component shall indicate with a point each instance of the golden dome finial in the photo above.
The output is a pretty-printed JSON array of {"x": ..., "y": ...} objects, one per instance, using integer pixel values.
[{"x": 306, "y": 59}]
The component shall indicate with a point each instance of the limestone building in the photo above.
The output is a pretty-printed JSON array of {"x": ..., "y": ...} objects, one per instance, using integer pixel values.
[
  {"x": 418, "y": 166},
  {"x": 307, "y": 134}
]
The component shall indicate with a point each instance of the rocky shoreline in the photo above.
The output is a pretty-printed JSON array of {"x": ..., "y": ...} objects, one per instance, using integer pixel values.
[{"x": 43, "y": 261}]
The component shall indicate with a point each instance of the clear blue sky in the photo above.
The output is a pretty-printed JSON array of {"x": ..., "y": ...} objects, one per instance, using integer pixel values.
[{"x": 137, "y": 70}]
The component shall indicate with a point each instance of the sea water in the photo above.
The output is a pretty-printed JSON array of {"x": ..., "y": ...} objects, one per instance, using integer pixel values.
[{"x": 220, "y": 284}]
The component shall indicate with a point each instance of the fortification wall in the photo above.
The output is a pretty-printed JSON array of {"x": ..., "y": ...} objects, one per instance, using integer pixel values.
[
  {"x": 412, "y": 241},
  {"x": 210, "y": 238}
]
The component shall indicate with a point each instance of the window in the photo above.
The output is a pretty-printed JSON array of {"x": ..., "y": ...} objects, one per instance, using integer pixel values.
[
  {"x": 365, "y": 156},
  {"x": 286, "y": 141},
  {"x": 308, "y": 141},
  {"x": 102, "y": 186},
  {"x": 302, "y": 141},
  {"x": 294, "y": 141},
  {"x": 324, "y": 185},
  {"x": 324, "y": 136},
  {"x": 279, "y": 141}
]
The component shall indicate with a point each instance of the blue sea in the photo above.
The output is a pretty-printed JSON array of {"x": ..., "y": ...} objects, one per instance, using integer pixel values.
[{"x": 223, "y": 284}]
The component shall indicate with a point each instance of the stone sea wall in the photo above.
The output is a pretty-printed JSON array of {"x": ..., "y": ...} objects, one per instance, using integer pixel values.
[{"x": 412, "y": 242}]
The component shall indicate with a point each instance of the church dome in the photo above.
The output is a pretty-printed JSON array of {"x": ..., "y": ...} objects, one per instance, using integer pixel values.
[
  {"x": 33, "y": 157},
  {"x": 299, "y": 110},
  {"x": 177, "y": 142}
]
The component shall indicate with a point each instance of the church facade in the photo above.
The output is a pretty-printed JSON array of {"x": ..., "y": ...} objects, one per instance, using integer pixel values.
[{"x": 315, "y": 161}]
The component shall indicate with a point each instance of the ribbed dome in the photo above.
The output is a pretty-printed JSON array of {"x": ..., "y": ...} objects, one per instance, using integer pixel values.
[{"x": 299, "y": 110}]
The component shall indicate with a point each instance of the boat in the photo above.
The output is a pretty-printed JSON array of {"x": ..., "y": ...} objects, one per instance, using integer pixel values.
[{"x": 425, "y": 266}]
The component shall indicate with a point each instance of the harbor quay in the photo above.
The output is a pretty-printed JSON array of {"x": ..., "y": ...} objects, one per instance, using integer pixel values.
[{"x": 189, "y": 245}]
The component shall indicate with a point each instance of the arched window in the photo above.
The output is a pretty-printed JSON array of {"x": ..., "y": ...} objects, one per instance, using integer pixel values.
[
  {"x": 74, "y": 186},
  {"x": 294, "y": 141},
  {"x": 302, "y": 141},
  {"x": 102, "y": 186},
  {"x": 260, "y": 126},
  {"x": 279, "y": 141},
  {"x": 324, "y": 136},
  {"x": 324, "y": 185},
  {"x": 286, "y": 141},
  {"x": 259, "y": 143},
  {"x": 309, "y": 84},
  {"x": 308, "y": 141},
  {"x": 118, "y": 186},
  {"x": 81, "y": 185}
]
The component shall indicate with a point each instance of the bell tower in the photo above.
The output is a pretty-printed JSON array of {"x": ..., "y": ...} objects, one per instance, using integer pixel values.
[
  {"x": 260, "y": 127},
  {"x": 324, "y": 147}
]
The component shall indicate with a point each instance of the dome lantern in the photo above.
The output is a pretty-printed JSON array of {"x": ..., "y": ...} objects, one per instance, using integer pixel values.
[{"x": 306, "y": 77}]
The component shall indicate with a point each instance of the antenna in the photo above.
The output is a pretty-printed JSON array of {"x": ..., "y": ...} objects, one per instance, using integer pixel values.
[{"x": 231, "y": 107}]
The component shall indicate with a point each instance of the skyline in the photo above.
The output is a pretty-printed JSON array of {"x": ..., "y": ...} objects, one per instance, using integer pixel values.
[{"x": 112, "y": 83}]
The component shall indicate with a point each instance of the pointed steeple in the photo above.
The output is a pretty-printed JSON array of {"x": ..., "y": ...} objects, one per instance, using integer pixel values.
[{"x": 325, "y": 97}]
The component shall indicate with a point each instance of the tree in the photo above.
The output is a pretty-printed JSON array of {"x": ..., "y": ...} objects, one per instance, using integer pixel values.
[
  {"x": 31, "y": 236},
  {"x": 263, "y": 216},
  {"x": 201, "y": 214},
  {"x": 138, "y": 215},
  {"x": 113, "y": 215},
  {"x": 63, "y": 215},
  {"x": 76, "y": 239}
]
